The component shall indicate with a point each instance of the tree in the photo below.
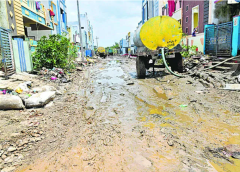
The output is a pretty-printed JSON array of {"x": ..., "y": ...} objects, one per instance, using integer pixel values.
[
  {"x": 224, "y": 12},
  {"x": 116, "y": 45}
]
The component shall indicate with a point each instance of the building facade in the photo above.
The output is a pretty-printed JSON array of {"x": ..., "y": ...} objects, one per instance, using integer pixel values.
[
  {"x": 58, "y": 7},
  {"x": 87, "y": 32}
]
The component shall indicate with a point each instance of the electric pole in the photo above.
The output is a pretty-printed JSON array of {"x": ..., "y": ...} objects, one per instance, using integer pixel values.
[
  {"x": 97, "y": 41},
  {"x": 80, "y": 31}
]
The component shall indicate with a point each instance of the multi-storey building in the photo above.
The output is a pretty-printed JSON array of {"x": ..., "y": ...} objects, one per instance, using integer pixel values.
[{"x": 87, "y": 32}]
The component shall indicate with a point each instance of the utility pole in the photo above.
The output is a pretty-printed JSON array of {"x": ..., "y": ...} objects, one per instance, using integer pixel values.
[
  {"x": 97, "y": 41},
  {"x": 80, "y": 31}
]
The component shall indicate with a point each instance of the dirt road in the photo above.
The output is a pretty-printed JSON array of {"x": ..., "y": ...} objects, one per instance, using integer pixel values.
[{"x": 110, "y": 121}]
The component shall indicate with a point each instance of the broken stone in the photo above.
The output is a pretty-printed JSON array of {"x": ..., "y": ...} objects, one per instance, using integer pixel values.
[
  {"x": 49, "y": 105},
  {"x": 58, "y": 92},
  {"x": 11, "y": 149},
  {"x": 236, "y": 155},
  {"x": 159, "y": 90},
  {"x": 20, "y": 156},
  {"x": 232, "y": 148},
  {"x": 142, "y": 161},
  {"x": 4, "y": 156},
  {"x": 170, "y": 143},
  {"x": 204, "y": 83},
  {"x": 44, "y": 88},
  {"x": 8, "y": 169},
  {"x": 130, "y": 83},
  {"x": 90, "y": 108},
  {"x": 40, "y": 99},
  {"x": 79, "y": 68},
  {"x": 1, "y": 152},
  {"x": 10, "y": 102},
  {"x": 38, "y": 139},
  {"x": 103, "y": 99},
  {"x": 22, "y": 142},
  {"x": 15, "y": 134},
  {"x": 8, "y": 159}
]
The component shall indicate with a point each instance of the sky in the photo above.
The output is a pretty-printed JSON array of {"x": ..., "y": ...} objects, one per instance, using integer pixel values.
[{"x": 111, "y": 19}]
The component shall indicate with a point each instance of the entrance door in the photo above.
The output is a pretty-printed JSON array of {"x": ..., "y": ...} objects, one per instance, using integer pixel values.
[{"x": 6, "y": 51}]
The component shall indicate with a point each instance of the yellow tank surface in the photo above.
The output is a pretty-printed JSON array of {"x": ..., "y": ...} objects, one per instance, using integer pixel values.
[
  {"x": 161, "y": 31},
  {"x": 101, "y": 49}
]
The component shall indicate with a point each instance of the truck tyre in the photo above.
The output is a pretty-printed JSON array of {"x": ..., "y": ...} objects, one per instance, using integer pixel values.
[
  {"x": 140, "y": 66},
  {"x": 179, "y": 62}
]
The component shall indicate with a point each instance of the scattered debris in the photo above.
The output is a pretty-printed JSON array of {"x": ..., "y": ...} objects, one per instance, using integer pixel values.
[{"x": 183, "y": 106}]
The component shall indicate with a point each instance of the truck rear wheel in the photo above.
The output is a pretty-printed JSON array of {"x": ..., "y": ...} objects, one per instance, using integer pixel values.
[{"x": 140, "y": 66}]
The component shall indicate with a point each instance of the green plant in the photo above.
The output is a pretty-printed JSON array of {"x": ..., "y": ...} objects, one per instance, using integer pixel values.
[
  {"x": 72, "y": 55},
  {"x": 190, "y": 51},
  {"x": 51, "y": 52}
]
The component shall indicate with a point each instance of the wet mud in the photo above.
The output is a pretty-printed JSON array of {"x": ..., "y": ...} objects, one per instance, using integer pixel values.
[{"x": 113, "y": 121}]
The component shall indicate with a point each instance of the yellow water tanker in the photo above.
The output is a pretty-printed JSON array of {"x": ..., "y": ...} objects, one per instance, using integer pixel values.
[
  {"x": 158, "y": 32},
  {"x": 101, "y": 51},
  {"x": 161, "y": 31}
]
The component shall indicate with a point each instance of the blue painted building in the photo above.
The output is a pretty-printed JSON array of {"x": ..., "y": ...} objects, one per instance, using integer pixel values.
[
  {"x": 87, "y": 32},
  {"x": 123, "y": 46}
]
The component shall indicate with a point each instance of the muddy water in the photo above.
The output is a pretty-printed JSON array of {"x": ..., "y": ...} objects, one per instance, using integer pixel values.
[{"x": 129, "y": 126}]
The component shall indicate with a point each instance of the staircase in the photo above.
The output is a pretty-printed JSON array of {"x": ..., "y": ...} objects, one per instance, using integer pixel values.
[{"x": 231, "y": 65}]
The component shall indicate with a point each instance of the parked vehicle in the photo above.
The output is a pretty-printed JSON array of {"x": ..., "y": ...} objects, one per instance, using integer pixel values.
[
  {"x": 158, "y": 32},
  {"x": 110, "y": 52},
  {"x": 101, "y": 52}
]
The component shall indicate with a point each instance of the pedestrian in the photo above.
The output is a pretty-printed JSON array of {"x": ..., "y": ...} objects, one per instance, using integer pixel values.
[{"x": 194, "y": 32}]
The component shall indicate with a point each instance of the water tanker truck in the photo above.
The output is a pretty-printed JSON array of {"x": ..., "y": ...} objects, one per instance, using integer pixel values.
[
  {"x": 101, "y": 52},
  {"x": 158, "y": 38}
]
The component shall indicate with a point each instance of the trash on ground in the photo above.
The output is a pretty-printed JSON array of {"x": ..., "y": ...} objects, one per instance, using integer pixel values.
[{"x": 183, "y": 105}]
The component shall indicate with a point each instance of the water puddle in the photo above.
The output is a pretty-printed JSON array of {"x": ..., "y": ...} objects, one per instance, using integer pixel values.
[{"x": 111, "y": 75}]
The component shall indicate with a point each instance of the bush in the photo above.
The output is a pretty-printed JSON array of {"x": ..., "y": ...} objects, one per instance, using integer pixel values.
[
  {"x": 51, "y": 52},
  {"x": 72, "y": 55}
]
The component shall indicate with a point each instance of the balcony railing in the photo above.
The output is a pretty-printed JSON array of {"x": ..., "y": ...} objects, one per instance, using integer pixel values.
[{"x": 31, "y": 5}]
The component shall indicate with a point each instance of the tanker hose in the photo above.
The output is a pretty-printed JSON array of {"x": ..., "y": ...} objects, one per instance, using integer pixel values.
[{"x": 166, "y": 65}]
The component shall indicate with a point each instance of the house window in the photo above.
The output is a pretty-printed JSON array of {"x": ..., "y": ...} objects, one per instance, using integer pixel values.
[
  {"x": 180, "y": 21},
  {"x": 187, "y": 30},
  {"x": 186, "y": 8},
  {"x": 186, "y": 19},
  {"x": 63, "y": 18},
  {"x": 145, "y": 12}
]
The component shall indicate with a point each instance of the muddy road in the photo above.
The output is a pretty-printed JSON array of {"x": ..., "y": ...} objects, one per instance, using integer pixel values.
[{"x": 108, "y": 120}]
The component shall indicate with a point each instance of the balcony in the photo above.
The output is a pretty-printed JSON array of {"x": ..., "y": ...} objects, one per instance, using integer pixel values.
[
  {"x": 36, "y": 19},
  {"x": 177, "y": 14}
]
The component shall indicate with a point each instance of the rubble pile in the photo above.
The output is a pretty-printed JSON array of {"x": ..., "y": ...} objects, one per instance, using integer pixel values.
[
  {"x": 196, "y": 67},
  {"x": 24, "y": 96},
  {"x": 57, "y": 75},
  {"x": 196, "y": 63}
]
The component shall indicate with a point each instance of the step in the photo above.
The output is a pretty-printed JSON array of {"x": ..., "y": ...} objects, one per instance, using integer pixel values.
[
  {"x": 227, "y": 64},
  {"x": 222, "y": 68}
]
